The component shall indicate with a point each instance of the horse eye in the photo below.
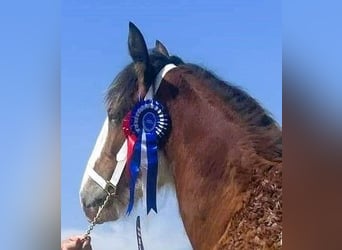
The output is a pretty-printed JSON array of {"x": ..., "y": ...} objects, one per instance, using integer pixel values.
[{"x": 114, "y": 119}]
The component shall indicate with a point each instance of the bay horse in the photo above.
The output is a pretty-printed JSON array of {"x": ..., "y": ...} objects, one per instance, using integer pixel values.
[{"x": 223, "y": 153}]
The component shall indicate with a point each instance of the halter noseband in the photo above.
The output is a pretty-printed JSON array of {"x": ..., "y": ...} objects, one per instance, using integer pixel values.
[{"x": 121, "y": 156}]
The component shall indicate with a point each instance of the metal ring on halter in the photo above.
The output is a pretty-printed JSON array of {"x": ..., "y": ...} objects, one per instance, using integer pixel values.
[{"x": 110, "y": 188}]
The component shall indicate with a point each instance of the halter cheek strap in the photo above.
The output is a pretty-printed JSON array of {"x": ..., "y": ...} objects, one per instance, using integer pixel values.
[
  {"x": 121, "y": 157},
  {"x": 114, "y": 180}
]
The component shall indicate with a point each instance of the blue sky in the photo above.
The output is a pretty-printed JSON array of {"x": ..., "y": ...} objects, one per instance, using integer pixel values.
[{"x": 239, "y": 40}]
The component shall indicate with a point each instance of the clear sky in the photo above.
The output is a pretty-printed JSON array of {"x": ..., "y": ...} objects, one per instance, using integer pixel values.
[{"x": 239, "y": 40}]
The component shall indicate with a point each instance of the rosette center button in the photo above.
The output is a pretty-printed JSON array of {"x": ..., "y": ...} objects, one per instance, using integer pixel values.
[{"x": 149, "y": 121}]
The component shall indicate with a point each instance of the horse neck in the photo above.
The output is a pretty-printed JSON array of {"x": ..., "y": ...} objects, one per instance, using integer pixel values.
[{"x": 212, "y": 163}]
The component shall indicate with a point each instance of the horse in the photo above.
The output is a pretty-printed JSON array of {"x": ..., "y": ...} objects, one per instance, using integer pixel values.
[{"x": 223, "y": 153}]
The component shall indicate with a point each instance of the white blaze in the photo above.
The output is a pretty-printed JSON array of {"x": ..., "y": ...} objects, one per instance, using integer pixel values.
[{"x": 96, "y": 153}]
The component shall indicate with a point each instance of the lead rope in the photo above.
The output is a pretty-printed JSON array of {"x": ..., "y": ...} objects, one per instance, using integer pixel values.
[
  {"x": 138, "y": 231},
  {"x": 94, "y": 221}
]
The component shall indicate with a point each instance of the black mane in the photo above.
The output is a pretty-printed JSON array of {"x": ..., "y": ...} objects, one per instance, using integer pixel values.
[
  {"x": 241, "y": 102},
  {"x": 264, "y": 131}
]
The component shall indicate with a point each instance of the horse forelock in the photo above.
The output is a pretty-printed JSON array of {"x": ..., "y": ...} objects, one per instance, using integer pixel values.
[{"x": 124, "y": 90}]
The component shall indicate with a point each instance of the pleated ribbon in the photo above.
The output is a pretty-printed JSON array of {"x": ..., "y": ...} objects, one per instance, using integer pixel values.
[{"x": 144, "y": 126}]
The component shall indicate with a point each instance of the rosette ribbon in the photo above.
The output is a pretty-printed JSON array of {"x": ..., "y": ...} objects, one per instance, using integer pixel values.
[
  {"x": 131, "y": 139},
  {"x": 149, "y": 122}
]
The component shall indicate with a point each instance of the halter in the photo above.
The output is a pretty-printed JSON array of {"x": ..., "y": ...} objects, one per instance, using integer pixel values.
[{"x": 121, "y": 156}]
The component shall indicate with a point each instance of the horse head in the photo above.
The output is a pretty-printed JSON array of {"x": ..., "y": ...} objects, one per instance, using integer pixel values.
[{"x": 129, "y": 86}]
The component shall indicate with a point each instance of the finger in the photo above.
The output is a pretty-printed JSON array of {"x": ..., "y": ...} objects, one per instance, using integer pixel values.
[
  {"x": 71, "y": 243},
  {"x": 86, "y": 243},
  {"x": 76, "y": 237}
]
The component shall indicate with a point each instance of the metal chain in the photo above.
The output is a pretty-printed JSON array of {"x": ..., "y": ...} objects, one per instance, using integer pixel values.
[
  {"x": 94, "y": 221},
  {"x": 138, "y": 232}
]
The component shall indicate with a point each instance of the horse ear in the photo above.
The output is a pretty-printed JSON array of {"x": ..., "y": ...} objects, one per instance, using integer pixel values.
[
  {"x": 161, "y": 48},
  {"x": 136, "y": 45},
  {"x": 139, "y": 53}
]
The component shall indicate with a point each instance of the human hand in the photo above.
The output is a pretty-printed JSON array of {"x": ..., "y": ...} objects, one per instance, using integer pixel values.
[{"x": 79, "y": 242}]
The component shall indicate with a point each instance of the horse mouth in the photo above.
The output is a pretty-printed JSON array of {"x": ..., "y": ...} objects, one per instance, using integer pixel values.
[{"x": 110, "y": 212}]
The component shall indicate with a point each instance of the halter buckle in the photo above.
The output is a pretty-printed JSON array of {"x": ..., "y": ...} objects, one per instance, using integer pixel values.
[{"x": 110, "y": 188}]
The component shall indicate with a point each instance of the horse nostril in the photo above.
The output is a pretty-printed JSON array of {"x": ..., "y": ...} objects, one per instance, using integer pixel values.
[
  {"x": 93, "y": 203},
  {"x": 99, "y": 202},
  {"x": 85, "y": 202}
]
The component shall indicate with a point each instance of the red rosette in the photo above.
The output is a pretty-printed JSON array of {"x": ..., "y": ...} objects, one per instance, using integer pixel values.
[{"x": 131, "y": 139}]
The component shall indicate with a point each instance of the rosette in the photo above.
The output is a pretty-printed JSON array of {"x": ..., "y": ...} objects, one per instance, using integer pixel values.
[
  {"x": 131, "y": 139},
  {"x": 150, "y": 123}
]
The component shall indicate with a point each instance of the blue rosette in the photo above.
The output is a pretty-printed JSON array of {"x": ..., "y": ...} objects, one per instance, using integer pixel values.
[{"x": 150, "y": 122}]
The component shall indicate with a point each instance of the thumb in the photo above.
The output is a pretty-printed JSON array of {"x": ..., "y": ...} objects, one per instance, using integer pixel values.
[{"x": 86, "y": 243}]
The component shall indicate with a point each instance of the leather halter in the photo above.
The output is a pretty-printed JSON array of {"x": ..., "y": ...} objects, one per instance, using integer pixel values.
[{"x": 121, "y": 157}]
